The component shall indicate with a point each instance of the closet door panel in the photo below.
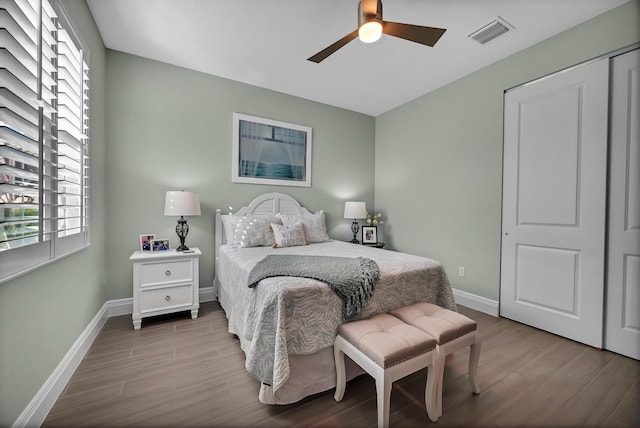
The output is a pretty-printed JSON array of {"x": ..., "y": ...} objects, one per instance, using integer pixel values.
[
  {"x": 622, "y": 333},
  {"x": 554, "y": 197}
]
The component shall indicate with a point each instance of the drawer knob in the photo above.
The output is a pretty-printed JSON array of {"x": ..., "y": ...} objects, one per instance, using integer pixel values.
[
  {"x": 167, "y": 272},
  {"x": 167, "y": 298}
]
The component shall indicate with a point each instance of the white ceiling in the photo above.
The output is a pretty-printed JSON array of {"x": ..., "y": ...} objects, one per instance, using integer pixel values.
[{"x": 267, "y": 43}]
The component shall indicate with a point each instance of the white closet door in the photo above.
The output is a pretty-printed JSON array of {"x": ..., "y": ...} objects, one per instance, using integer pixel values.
[
  {"x": 622, "y": 332},
  {"x": 554, "y": 196}
]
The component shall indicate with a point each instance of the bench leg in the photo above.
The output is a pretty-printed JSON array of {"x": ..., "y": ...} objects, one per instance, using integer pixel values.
[
  {"x": 341, "y": 379},
  {"x": 474, "y": 358},
  {"x": 431, "y": 391},
  {"x": 383, "y": 395},
  {"x": 438, "y": 363}
]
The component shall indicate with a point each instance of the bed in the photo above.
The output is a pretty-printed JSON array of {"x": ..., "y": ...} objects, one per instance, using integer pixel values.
[{"x": 286, "y": 325}]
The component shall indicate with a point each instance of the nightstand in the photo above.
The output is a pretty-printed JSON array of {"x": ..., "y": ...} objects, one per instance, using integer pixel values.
[
  {"x": 165, "y": 282},
  {"x": 376, "y": 245}
]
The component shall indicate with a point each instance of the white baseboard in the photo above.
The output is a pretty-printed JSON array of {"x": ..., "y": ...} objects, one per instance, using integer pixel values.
[
  {"x": 476, "y": 302},
  {"x": 119, "y": 307},
  {"x": 208, "y": 294},
  {"x": 40, "y": 406}
]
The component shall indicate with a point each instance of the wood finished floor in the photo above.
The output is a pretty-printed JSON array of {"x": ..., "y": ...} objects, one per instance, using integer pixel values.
[{"x": 182, "y": 372}]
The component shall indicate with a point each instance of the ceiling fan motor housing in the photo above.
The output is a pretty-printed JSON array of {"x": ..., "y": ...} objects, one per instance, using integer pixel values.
[{"x": 365, "y": 16}]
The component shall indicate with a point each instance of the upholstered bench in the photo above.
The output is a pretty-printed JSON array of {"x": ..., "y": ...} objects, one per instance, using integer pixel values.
[
  {"x": 452, "y": 331},
  {"x": 388, "y": 350}
]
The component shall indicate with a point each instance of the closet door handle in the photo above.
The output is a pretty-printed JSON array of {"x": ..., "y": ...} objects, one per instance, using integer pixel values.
[{"x": 167, "y": 272}]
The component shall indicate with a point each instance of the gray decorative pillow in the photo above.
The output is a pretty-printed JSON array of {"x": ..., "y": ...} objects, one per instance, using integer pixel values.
[
  {"x": 315, "y": 228},
  {"x": 288, "y": 236}
]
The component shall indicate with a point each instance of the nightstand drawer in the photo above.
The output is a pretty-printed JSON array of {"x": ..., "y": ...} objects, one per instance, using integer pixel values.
[
  {"x": 164, "y": 298},
  {"x": 172, "y": 271}
]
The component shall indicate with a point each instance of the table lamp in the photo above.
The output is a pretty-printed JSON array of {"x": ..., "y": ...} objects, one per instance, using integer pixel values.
[
  {"x": 181, "y": 203},
  {"x": 355, "y": 210}
]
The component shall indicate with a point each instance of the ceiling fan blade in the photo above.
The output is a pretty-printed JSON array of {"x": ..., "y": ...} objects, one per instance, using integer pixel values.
[
  {"x": 415, "y": 33},
  {"x": 323, "y": 54}
]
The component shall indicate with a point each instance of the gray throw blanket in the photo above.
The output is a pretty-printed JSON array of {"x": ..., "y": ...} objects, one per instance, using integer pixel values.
[{"x": 352, "y": 279}]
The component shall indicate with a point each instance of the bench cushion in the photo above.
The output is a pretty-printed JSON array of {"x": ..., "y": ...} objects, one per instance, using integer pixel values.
[
  {"x": 444, "y": 325},
  {"x": 387, "y": 340}
]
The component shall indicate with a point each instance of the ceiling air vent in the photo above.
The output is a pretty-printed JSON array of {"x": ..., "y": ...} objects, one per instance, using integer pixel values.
[{"x": 491, "y": 30}]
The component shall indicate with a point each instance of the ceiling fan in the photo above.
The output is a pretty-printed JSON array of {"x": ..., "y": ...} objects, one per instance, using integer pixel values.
[{"x": 371, "y": 27}]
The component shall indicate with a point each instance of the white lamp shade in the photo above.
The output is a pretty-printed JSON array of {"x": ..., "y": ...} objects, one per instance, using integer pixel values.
[
  {"x": 179, "y": 202},
  {"x": 355, "y": 210}
]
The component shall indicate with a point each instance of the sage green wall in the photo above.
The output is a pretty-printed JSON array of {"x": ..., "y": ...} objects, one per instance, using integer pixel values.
[
  {"x": 439, "y": 158},
  {"x": 44, "y": 312},
  {"x": 171, "y": 128}
]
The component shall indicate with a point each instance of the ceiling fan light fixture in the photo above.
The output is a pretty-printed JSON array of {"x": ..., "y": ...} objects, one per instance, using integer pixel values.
[
  {"x": 370, "y": 31},
  {"x": 371, "y": 26}
]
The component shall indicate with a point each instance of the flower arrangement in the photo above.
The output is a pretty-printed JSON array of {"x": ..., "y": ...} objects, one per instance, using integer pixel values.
[{"x": 374, "y": 220}]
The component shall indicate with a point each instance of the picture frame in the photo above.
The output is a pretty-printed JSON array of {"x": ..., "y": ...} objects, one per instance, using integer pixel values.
[
  {"x": 160, "y": 245},
  {"x": 369, "y": 234},
  {"x": 268, "y": 151},
  {"x": 145, "y": 242}
]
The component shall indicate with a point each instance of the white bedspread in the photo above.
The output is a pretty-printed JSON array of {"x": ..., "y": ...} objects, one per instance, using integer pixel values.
[{"x": 285, "y": 316}]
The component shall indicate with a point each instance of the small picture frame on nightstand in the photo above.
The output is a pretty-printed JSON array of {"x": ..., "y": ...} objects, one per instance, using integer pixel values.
[
  {"x": 159, "y": 245},
  {"x": 145, "y": 242},
  {"x": 369, "y": 235}
]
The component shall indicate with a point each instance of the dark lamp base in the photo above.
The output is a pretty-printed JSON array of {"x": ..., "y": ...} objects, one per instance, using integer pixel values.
[
  {"x": 182, "y": 229},
  {"x": 354, "y": 228}
]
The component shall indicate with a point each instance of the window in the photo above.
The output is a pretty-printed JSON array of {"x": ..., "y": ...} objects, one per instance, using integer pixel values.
[{"x": 44, "y": 144}]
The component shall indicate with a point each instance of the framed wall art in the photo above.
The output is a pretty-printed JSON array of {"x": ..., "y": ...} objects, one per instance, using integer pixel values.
[{"x": 267, "y": 151}]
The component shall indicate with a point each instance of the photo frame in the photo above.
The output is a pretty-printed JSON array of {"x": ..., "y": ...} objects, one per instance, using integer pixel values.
[
  {"x": 145, "y": 242},
  {"x": 159, "y": 245},
  {"x": 369, "y": 235},
  {"x": 268, "y": 151}
]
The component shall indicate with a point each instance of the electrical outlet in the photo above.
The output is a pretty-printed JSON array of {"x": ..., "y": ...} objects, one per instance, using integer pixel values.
[{"x": 460, "y": 270}]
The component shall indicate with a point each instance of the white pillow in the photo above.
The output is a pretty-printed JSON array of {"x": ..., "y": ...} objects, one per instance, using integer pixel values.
[
  {"x": 315, "y": 228},
  {"x": 249, "y": 231},
  {"x": 229, "y": 225},
  {"x": 288, "y": 236}
]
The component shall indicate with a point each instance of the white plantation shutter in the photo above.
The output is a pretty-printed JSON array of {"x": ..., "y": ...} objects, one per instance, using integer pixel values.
[
  {"x": 44, "y": 150},
  {"x": 73, "y": 119}
]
